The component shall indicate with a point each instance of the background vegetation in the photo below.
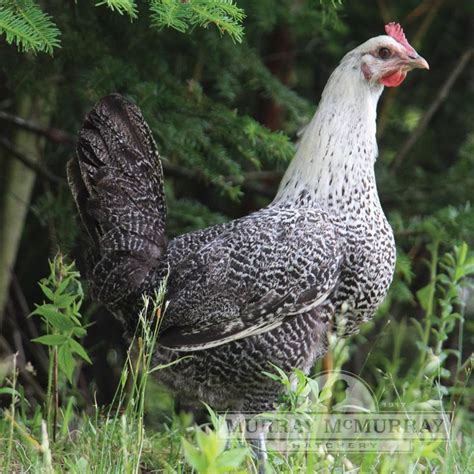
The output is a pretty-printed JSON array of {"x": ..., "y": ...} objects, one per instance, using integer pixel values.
[{"x": 225, "y": 87}]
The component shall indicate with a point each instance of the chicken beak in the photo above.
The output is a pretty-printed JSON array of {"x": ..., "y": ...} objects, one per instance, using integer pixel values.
[{"x": 417, "y": 63}]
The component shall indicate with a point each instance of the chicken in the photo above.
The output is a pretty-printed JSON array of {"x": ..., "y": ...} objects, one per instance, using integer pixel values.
[{"x": 266, "y": 288}]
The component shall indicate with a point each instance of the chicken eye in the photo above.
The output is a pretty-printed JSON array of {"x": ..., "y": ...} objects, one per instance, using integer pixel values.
[{"x": 384, "y": 53}]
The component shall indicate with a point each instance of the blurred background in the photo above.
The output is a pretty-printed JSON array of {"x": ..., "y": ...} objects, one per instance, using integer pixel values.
[{"x": 225, "y": 116}]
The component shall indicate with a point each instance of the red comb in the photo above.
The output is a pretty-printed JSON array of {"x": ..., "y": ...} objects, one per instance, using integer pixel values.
[{"x": 396, "y": 32}]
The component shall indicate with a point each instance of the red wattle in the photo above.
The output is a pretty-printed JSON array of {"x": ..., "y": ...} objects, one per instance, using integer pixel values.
[{"x": 394, "y": 79}]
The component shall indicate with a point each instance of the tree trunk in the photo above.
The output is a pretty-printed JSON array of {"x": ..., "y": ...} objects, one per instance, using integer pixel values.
[{"x": 17, "y": 187}]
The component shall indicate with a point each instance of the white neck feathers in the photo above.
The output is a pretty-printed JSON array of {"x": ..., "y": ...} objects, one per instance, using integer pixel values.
[{"x": 338, "y": 148}]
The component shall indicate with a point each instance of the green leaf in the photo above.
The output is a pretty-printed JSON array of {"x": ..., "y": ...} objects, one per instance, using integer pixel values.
[
  {"x": 58, "y": 320},
  {"x": 63, "y": 301},
  {"x": 202, "y": 439},
  {"x": 63, "y": 285},
  {"x": 46, "y": 291},
  {"x": 79, "y": 350},
  {"x": 79, "y": 331},
  {"x": 271, "y": 376},
  {"x": 424, "y": 296},
  {"x": 462, "y": 253},
  {"x": 9, "y": 391},
  {"x": 51, "y": 339},
  {"x": 68, "y": 416},
  {"x": 231, "y": 459},
  {"x": 193, "y": 456},
  {"x": 169, "y": 364},
  {"x": 418, "y": 327},
  {"x": 66, "y": 361}
]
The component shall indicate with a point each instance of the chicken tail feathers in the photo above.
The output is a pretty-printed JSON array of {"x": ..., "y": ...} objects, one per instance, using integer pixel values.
[{"x": 117, "y": 184}]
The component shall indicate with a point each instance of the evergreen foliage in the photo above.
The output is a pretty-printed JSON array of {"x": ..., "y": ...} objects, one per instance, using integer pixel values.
[
  {"x": 124, "y": 7},
  {"x": 25, "y": 24},
  {"x": 185, "y": 15}
]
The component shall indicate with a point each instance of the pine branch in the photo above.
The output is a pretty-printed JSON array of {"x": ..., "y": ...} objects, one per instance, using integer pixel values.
[
  {"x": 123, "y": 7},
  {"x": 330, "y": 12},
  {"x": 25, "y": 24},
  {"x": 183, "y": 15},
  {"x": 170, "y": 14},
  {"x": 223, "y": 13}
]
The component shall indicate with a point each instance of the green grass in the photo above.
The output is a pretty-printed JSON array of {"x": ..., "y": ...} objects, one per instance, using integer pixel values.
[{"x": 407, "y": 370}]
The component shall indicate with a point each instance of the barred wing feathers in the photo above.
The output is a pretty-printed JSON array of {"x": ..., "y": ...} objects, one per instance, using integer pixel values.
[{"x": 274, "y": 264}]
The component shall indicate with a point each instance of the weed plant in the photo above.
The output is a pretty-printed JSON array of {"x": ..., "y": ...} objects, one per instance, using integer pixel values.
[{"x": 61, "y": 436}]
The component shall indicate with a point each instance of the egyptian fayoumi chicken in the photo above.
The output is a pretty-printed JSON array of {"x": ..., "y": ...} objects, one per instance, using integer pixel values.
[{"x": 263, "y": 289}]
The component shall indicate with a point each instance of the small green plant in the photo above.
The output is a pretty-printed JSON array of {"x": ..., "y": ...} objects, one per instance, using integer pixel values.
[
  {"x": 443, "y": 305},
  {"x": 123, "y": 426},
  {"x": 298, "y": 389},
  {"x": 208, "y": 455},
  {"x": 64, "y": 327},
  {"x": 117, "y": 438}
]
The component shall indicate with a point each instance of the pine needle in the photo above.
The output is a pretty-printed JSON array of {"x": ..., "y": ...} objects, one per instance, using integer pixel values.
[
  {"x": 181, "y": 16},
  {"x": 123, "y": 7},
  {"x": 26, "y": 25}
]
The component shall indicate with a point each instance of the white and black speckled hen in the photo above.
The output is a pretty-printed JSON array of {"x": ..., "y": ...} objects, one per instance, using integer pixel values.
[{"x": 263, "y": 288}]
